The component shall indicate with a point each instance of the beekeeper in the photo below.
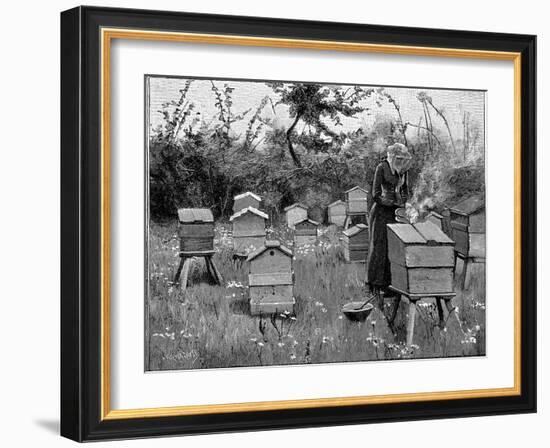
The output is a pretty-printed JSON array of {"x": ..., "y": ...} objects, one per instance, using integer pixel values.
[{"x": 390, "y": 190}]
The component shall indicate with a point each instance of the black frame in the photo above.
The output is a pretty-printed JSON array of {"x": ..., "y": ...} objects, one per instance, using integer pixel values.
[{"x": 81, "y": 223}]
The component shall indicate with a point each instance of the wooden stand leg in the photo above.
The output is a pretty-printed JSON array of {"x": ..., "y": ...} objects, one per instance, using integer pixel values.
[
  {"x": 186, "y": 266},
  {"x": 410, "y": 323},
  {"x": 209, "y": 269},
  {"x": 396, "y": 303},
  {"x": 439, "y": 303},
  {"x": 214, "y": 270},
  {"x": 178, "y": 272},
  {"x": 466, "y": 273},
  {"x": 455, "y": 267},
  {"x": 449, "y": 305}
]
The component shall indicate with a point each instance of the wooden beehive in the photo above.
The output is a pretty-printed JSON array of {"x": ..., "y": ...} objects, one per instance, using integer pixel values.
[
  {"x": 337, "y": 213},
  {"x": 468, "y": 227},
  {"x": 356, "y": 201},
  {"x": 436, "y": 218},
  {"x": 196, "y": 230},
  {"x": 421, "y": 258},
  {"x": 305, "y": 232},
  {"x": 356, "y": 243},
  {"x": 295, "y": 213},
  {"x": 248, "y": 229},
  {"x": 245, "y": 200},
  {"x": 270, "y": 279}
]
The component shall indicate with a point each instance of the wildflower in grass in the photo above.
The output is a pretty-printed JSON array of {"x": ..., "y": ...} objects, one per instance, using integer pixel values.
[
  {"x": 477, "y": 327},
  {"x": 469, "y": 340},
  {"x": 253, "y": 339},
  {"x": 292, "y": 356},
  {"x": 292, "y": 318},
  {"x": 478, "y": 305},
  {"x": 260, "y": 344},
  {"x": 281, "y": 344},
  {"x": 324, "y": 310},
  {"x": 340, "y": 317}
]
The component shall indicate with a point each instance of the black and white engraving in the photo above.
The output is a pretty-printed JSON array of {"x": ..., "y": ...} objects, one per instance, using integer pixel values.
[{"x": 298, "y": 222}]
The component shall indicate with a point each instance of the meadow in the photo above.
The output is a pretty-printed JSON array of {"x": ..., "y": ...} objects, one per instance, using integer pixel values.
[{"x": 209, "y": 326}]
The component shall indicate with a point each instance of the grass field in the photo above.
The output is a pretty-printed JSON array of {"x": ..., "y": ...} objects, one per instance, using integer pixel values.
[{"x": 209, "y": 326}]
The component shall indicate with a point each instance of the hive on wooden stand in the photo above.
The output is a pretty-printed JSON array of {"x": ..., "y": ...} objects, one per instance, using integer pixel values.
[
  {"x": 337, "y": 213},
  {"x": 468, "y": 230},
  {"x": 196, "y": 229},
  {"x": 248, "y": 229},
  {"x": 305, "y": 232},
  {"x": 357, "y": 207},
  {"x": 196, "y": 233},
  {"x": 270, "y": 279},
  {"x": 441, "y": 220},
  {"x": 436, "y": 218},
  {"x": 244, "y": 200},
  {"x": 295, "y": 213},
  {"x": 356, "y": 243},
  {"x": 421, "y": 257},
  {"x": 422, "y": 266},
  {"x": 468, "y": 227}
]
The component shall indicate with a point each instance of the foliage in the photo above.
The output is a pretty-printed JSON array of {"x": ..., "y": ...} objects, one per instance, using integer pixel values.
[{"x": 197, "y": 161}]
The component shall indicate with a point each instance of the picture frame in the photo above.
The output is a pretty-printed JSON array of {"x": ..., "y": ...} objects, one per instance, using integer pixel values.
[{"x": 86, "y": 209}]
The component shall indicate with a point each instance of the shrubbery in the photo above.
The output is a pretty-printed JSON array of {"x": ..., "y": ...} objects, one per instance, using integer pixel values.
[{"x": 193, "y": 164}]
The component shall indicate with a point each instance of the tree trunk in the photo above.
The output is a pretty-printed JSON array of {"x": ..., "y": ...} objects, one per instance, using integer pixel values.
[{"x": 293, "y": 154}]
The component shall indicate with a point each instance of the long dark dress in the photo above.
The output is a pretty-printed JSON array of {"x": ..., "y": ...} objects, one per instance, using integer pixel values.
[{"x": 381, "y": 214}]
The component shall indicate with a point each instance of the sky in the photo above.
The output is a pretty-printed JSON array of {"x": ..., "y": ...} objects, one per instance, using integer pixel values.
[{"x": 248, "y": 95}]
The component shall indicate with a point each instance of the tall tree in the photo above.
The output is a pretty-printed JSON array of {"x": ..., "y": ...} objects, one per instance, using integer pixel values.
[{"x": 320, "y": 108}]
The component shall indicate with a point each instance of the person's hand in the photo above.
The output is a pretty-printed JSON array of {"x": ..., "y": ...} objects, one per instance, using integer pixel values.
[{"x": 399, "y": 199}]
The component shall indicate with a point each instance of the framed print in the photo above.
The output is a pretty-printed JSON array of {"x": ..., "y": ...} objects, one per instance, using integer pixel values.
[{"x": 274, "y": 224}]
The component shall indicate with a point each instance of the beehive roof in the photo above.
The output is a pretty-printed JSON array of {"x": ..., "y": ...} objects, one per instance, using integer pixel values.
[
  {"x": 355, "y": 188},
  {"x": 297, "y": 204},
  {"x": 188, "y": 215},
  {"x": 437, "y": 215},
  {"x": 339, "y": 201},
  {"x": 246, "y": 210},
  {"x": 311, "y": 221},
  {"x": 271, "y": 244},
  {"x": 248, "y": 193},
  {"x": 420, "y": 233},
  {"x": 469, "y": 205},
  {"x": 355, "y": 229}
]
